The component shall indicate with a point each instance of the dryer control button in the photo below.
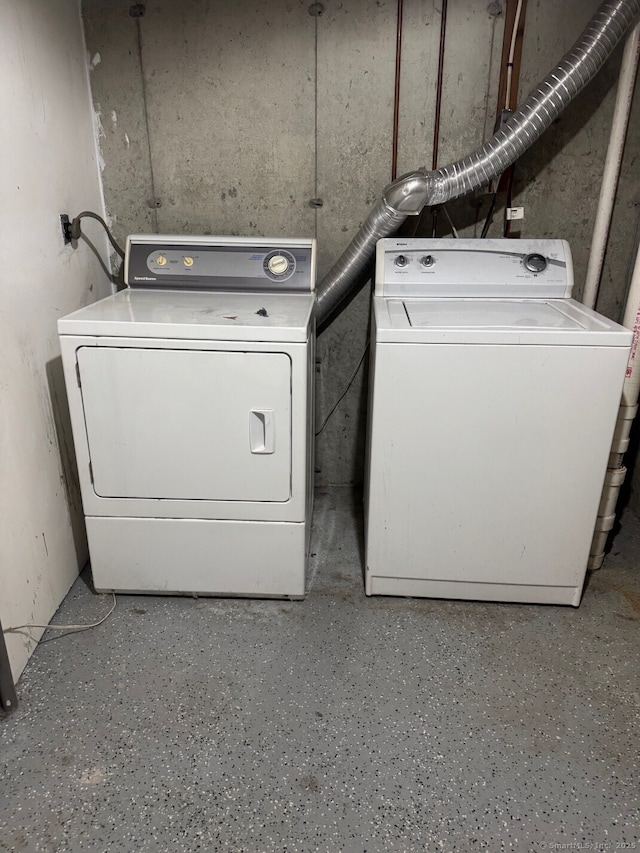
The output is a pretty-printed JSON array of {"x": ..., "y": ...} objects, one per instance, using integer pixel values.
[
  {"x": 427, "y": 260},
  {"x": 535, "y": 262},
  {"x": 401, "y": 261},
  {"x": 279, "y": 265}
]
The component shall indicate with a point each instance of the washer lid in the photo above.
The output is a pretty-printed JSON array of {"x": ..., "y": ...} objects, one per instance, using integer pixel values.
[
  {"x": 474, "y": 314},
  {"x": 558, "y": 321},
  {"x": 191, "y": 315}
]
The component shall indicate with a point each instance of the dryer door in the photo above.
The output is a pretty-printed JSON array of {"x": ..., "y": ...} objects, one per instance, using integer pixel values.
[{"x": 187, "y": 424}]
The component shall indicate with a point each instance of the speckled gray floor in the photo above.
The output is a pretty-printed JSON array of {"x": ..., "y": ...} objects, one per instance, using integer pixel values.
[{"x": 335, "y": 724}]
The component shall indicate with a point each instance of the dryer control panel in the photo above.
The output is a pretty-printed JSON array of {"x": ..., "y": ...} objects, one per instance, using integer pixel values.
[
  {"x": 526, "y": 269},
  {"x": 178, "y": 262}
]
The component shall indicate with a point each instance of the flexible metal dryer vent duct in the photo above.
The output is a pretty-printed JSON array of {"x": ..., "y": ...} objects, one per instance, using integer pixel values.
[{"x": 411, "y": 192}]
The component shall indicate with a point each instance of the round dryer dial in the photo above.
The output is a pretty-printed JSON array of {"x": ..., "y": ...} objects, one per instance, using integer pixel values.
[{"x": 279, "y": 265}]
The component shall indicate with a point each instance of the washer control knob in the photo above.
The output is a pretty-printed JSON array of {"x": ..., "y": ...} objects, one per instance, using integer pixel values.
[
  {"x": 188, "y": 262},
  {"x": 427, "y": 260},
  {"x": 535, "y": 262},
  {"x": 278, "y": 264},
  {"x": 401, "y": 261},
  {"x": 161, "y": 260}
]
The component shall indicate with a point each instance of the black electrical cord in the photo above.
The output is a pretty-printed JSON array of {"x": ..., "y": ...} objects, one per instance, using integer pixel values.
[
  {"x": 454, "y": 230},
  {"x": 343, "y": 394},
  {"x": 489, "y": 219},
  {"x": 74, "y": 229}
]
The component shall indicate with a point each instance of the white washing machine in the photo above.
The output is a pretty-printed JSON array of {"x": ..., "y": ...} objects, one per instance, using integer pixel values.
[
  {"x": 191, "y": 399},
  {"x": 494, "y": 397}
]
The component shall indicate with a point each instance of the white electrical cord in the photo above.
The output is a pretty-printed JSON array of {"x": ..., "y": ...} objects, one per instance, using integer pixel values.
[
  {"x": 512, "y": 53},
  {"x": 67, "y": 627}
]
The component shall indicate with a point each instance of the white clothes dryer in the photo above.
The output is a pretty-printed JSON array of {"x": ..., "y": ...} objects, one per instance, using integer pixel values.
[
  {"x": 191, "y": 399},
  {"x": 493, "y": 402}
]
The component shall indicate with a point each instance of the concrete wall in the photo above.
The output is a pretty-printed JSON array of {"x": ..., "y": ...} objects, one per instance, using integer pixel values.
[
  {"x": 231, "y": 117},
  {"x": 49, "y": 166}
]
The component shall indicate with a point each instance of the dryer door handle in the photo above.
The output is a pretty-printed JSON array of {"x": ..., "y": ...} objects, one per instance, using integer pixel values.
[{"x": 262, "y": 431}]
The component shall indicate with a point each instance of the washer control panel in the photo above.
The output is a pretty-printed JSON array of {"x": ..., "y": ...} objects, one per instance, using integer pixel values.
[
  {"x": 526, "y": 269},
  {"x": 220, "y": 263}
]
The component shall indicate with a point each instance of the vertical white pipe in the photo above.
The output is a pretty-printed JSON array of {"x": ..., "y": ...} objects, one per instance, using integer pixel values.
[
  {"x": 628, "y": 408},
  {"x": 612, "y": 165},
  {"x": 512, "y": 53},
  {"x": 632, "y": 321}
]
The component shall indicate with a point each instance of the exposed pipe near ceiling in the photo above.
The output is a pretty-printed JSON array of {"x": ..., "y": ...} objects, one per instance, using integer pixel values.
[
  {"x": 507, "y": 101},
  {"x": 438, "y": 109},
  {"x": 396, "y": 95},
  {"x": 439, "y": 86},
  {"x": 512, "y": 82},
  {"x": 510, "y": 60},
  {"x": 411, "y": 192},
  {"x": 436, "y": 121}
]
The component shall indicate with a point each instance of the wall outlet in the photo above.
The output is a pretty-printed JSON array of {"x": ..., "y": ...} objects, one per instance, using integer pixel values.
[
  {"x": 514, "y": 213},
  {"x": 65, "y": 224}
]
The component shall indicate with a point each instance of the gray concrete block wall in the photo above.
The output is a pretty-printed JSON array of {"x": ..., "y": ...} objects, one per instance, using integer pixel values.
[
  {"x": 254, "y": 109},
  {"x": 356, "y": 65},
  {"x": 118, "y": 99}
]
